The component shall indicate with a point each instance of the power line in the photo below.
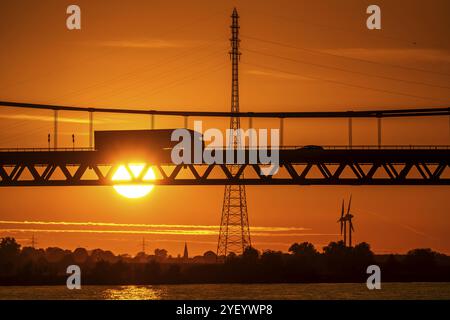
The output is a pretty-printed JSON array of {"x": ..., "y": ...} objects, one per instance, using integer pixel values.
[
  {"x": 132, "y": 73},
  {"x": 339, "y": 28},
  {"x": 110, "y": 50},
  {"x": 23, "y": 133},
  {"x": 182, "y": 81},
  {"x": 162, "y": 75},
  {"x": 349, "y": 84},
  {"x": 345, "y": 57},
  {"x": 346, "y": 70}
]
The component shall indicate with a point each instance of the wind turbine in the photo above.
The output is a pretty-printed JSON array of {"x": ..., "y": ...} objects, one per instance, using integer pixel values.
[
  {"x": 343, "y": 223},
  {"x": 348, "y": 217}
]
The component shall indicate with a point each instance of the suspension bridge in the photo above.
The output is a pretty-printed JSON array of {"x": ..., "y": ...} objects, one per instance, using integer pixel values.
[{"x": 299, "y": 165}]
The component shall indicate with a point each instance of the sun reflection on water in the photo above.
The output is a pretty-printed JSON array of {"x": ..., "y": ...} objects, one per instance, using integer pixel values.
[{"x": 133, "y": 293}]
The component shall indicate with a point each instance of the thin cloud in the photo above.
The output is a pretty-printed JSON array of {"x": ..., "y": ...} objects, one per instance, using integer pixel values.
[
  {"x": 193, "y": 232},
  {"x": 278, "y": 75},
  {"x": 164, "y": 232},
  {"x": 146, "y": 44},
  {"x": 143, "y": 225},
  {"x": 162, "y": 229}
]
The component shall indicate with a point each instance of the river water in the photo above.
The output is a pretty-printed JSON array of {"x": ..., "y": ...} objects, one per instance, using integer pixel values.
[{"x": 418, "y": 290}]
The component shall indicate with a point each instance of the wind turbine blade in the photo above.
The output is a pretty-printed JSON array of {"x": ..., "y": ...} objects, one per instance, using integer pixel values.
[
  {"x": 351, "y": 226},
  {"x": 342, "y": 211},
  {"x": 349, "y": 204},
  {"x": 342, "y": 226}
]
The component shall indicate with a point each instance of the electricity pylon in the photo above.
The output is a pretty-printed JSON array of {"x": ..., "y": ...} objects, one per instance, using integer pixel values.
[{"x": 234, "y": 234}]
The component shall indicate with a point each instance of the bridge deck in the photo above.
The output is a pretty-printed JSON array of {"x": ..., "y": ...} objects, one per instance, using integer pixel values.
[
  {"x": 294, "y": 155},
  {"x": 412, "y": 165}
]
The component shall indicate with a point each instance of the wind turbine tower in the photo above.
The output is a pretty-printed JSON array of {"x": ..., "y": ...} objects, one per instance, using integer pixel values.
[{"x": 344, "y": 219}]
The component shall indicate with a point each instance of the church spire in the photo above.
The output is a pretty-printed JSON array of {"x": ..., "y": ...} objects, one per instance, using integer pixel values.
[{"x": 185, "y": 254}]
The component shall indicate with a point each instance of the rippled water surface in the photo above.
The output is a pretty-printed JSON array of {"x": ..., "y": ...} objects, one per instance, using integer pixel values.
[{"x": 422, "y": 290}]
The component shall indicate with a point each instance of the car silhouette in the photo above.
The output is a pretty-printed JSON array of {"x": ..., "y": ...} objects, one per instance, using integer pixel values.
[{"x": 311, "y": 147}]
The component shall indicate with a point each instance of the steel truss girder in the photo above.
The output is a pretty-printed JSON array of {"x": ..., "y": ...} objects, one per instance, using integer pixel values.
[{"x": 375, "y": 173}]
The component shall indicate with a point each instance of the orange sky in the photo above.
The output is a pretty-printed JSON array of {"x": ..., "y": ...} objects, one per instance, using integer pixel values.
[{"x": 173, "y": 55}]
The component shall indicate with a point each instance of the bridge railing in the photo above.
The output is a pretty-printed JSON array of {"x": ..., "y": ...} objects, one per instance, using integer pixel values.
[
  {"x": 389, "y": 147},
  {"x": 305, "y": 147},
  {"x": 43, "y": 149},
  {"x": 354, "y": 147}
]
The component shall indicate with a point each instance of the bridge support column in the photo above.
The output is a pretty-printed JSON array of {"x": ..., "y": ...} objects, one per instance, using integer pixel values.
[
  {"x": 91, "y": 129},
  {"x": 55, "y": 129},
  {"x": 281, "y": 132},
  {"x": 379, "y": 131},
  {"x": 350, "y": 132}
]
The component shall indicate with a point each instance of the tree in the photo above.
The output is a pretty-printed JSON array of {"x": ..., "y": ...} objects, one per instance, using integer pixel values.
[
  {"x": 101, "y": 273},
  {"x": 160, "y": 254},
  {"x": 335, "y": 249},
  {"x": 362, "y": 253},
  {"x": 250, "y": 254},
  {"x": 152, "y": 272},
  {"x": 80, "y": 255},
  {"x": 304, "y": 248},
  {"x": 54, "y": 254},
  {"x": 209, "y": 257},
  {"x": 304, "y": 262},
  {"x": 272, "y": 263},
  {"x": 420, "y": 259},
  {"x": 337, "y": 257},
  {"x": 231, "y": 256},
  {"x": 9, "y": 254},
  {"x": 9, "y": 248}
]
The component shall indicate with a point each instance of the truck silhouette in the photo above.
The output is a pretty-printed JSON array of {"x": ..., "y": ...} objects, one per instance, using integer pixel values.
[{"x": 141, "y": 144}]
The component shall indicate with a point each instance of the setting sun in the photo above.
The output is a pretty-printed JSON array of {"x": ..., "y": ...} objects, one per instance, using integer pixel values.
[{"x": 133, "y": 191}]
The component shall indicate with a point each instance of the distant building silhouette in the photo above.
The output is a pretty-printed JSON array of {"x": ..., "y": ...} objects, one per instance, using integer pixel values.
[{"x": 185, "y": 254}]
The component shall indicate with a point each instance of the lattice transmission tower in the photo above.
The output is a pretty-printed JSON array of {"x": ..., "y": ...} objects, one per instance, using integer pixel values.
[{"x": 234, "y": 234}]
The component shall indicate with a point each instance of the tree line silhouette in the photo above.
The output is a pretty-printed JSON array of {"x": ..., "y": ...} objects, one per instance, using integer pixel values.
[{"x": 303, "y": 263}]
